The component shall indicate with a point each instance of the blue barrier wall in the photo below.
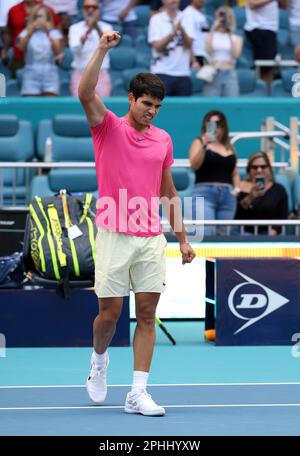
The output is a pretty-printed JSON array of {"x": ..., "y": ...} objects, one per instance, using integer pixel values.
[{"x": 181, "y": 117}]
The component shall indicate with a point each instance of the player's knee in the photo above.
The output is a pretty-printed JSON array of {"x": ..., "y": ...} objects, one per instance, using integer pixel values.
[
  {"x": 146, "y": 320},
  {"x": 109, "y": 315}
]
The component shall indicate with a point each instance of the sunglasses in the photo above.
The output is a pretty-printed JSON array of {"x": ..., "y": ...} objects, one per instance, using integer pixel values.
[
  {"x": 259, "y": 166},
  {"x": 94, "y": 7}
]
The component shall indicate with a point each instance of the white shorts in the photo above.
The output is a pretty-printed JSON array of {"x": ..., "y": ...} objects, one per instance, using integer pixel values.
[{"x": 125, "y": 262}]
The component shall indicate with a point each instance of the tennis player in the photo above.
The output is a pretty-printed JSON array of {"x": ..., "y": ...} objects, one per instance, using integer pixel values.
[{"x": 133, "y": 160}]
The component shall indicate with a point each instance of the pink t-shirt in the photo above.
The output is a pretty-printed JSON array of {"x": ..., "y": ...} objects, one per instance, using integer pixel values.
[{"x": 129, "y": 167}]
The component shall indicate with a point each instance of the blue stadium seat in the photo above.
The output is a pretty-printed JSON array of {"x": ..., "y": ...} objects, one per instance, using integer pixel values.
[
  {"x": 13, "y": 88},
  {"x": 283, "y": 87},
  {"x": 121, "y": 59},
  {"x": 286, "y": 183},
  {"x": 143, "y": 16},
  {"x": 197, "y": 84},
  {"x": 249, "y": 84},
  {"x": 126, "y": 42},
  {"x": 73, "y": 180},
  {"x": 246, "y": 58},
  {"x": 143, "y": 51},
  {"x": 296, "y": 192},
  {"x": 71, "y": 138},
  {"x": 184, "y": 179},
  {"x": 5, "y": 70},
  {"x": 240, "y": 16},
  {"x": 16, "y": 144},
  {"x": 117, "y": 83},
  {"x": 129, "y": 74},
  {"x": 283, "y": 18}
]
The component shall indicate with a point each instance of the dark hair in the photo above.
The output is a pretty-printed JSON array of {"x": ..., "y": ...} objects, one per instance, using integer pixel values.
[
  {"x": 147, "y": 84},
  {"x": 257, "y": 155},
  {"x": 223, "y": 123}
]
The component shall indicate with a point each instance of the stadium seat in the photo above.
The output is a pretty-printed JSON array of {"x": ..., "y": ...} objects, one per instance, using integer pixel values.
[
  {"x": 117, "y": 83},
  {"x": 13, "y": 88},
  {"x": 126, "y": 42},
  {"x": 184, "y": 179},
  {"x": 70, "y": 135},
  {"x": 197, "y": 84},
  {"x": 296, "y": 192},
  {"x": 249, "y": 84},
  {"x": 143, "y": 51},
  {"x": 73, "y": 180},
  {"x": 283, "y": 18},
  {"x": 240, "y": 17},
  {"x": 283, "y": 87},
  {"x": 286, "y": 183},
  {"x": 121, "y": 59},
  {"x": 5, "y": 70},
  {"x": 143, "y": 16},
  {"x": 127, "y": 75},
  {"x": 16, "y": 144}
]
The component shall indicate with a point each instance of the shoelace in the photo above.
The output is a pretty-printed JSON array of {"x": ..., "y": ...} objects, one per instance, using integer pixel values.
[{"x": 96, "y": 370}]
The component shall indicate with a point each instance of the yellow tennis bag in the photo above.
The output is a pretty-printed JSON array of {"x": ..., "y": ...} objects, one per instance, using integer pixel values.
[{"x": 62, "y": 236}]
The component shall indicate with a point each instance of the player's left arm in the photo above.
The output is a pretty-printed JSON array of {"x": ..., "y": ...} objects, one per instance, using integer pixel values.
[{"x": 172, "y": 206}]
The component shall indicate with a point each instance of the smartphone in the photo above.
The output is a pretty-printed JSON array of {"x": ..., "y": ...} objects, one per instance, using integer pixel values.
[
  {"x": 260, "y": 182},
  {"x": 211, "y": 128},
  {"x": 223, "y": 18}
]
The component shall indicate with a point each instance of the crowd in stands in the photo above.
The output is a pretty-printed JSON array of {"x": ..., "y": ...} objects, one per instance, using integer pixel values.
[
  {"x": 181, "y": 41},
  {"x": 45, "y": 46}
]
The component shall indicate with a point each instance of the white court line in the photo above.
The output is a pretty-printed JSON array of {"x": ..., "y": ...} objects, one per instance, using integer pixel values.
[
  {"x": 108, "y": 407},
  {"x": 156, "y": 384}
]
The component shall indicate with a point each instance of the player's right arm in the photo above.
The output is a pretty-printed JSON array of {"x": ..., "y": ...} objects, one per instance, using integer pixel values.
[{"x": 94, "y": 108}]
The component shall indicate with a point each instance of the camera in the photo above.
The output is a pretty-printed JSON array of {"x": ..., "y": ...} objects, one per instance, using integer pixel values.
[
  {"x": 223, "y": 19},
  {"x": 260, "y": 182}
]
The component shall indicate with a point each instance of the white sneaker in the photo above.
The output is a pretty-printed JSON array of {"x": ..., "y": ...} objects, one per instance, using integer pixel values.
[
  {"x": 142, "y": 402},
  {"x": 96, "y": 383}
]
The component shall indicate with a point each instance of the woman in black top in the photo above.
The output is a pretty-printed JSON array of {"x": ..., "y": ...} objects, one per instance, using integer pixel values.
[
  {"x": 217, "y": 179},
  {"x": 261, "y": 198}
]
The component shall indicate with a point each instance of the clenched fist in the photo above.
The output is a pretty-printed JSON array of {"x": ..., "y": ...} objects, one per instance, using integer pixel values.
[{"x": 109, "y": 40}]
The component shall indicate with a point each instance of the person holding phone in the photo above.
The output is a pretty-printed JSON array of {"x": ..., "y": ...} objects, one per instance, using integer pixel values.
[
  {"x": 42, "y": 44},
  {"x": 215, "y": 163},
  {"x": 261, "y": 198},
  {"x": 223, "y": 48}
]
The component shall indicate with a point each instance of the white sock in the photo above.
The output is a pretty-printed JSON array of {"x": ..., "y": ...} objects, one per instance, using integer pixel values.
[
  {"x": 139, "y": 381},
  {"x": 99, "y": 359}
]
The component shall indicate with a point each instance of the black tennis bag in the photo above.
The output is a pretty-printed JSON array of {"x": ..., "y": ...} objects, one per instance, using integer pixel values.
[{"x": 62, "y": 236}]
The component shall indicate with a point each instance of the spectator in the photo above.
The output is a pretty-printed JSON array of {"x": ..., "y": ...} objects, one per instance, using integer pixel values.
[
  {"x": 171, "y": 46},
  {"x": 61, "y": 7},
  {"x": 198, "y": 23},
  {"x": 83, "y": 40},
  {"x": 16, "y": 22},
  {"x": 67, "y": 11},
  {"x": 120, "y": 12},
  {"x": 261, "y": 198},
  {"x": 261, "y": 26},
  {"x": 42, "y": 44},
  {"x": 215, "y": 163},
  {"x": 223, "y": 48},
  {"x": 157, "y": 5},
  {"x": 294, "y": 21}
]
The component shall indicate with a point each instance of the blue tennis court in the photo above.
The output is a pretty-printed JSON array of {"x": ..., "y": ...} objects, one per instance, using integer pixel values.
[{"x": 206, "y": 390}]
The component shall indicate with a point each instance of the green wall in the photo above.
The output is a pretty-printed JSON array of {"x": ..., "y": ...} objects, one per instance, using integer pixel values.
[{"x": 181, "y": 117}]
